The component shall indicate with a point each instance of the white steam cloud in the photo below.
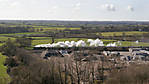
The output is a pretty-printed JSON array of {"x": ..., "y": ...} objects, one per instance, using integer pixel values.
[{"x": 80, "y": 43}]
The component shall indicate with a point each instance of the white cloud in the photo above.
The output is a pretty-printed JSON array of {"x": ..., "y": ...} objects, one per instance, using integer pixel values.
[
  {"x": 53, "y": 9},
  {"x": 109, "y": 7},
  {"x": 3, "y": 0},
  {"x": 76, "y": 7},
  {"x": 50, "y": 11},
  {"x": 130, "y": 8},
  {"x": 8, "y": 4},
  {"x": 78, "y": 4},
  {"x": 14, "y": 4}
]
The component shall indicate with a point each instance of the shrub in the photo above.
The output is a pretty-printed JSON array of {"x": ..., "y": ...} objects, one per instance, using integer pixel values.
[{"x": 134, "y": 74}]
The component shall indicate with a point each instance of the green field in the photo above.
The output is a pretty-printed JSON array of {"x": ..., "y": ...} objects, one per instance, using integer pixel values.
[
  {"x": 14, "y": 25},
  {"x": 4, "y": 77},
  {"x": 1, "y": 44},
  {"x": 37, "y": 42},
  {"x": 40, "y": 38},
  {"x": 2, "y": 38},
  {"x": 21, "y": 34},
  {"x": 127, "y": 43},
  {"x": 54, "y": 29},
  {"x": 121, "y": 33}
]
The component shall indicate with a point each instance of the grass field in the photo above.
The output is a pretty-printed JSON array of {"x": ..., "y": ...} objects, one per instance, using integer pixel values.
[
  {"x": 127, "y": 43},
  {"x": 17, "y": 34},
  {"x": 1, "y": 44},
  {"x": 14, "y": 25},
  {"x": 54, "y": 29},
  {"x": 2, "y": 38},
  {"x": 121, "y": 33},
  {"x": 40, "y": 38},
  {"x": 4, "y": 77},
  {"x": 37, "y": 42}
]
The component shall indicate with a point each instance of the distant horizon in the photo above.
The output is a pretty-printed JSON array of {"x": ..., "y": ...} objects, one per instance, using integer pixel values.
[{"x": 73, "y": 20}]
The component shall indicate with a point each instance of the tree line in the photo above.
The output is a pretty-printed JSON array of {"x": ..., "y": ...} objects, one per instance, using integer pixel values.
[{"x": 17, "y": 29}]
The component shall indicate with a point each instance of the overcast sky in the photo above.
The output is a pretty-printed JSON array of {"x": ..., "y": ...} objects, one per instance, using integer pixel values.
[{"x": 74, "y": 10}]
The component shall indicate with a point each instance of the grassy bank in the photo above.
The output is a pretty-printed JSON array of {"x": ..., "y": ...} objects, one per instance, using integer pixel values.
[{"x": 4, "y": 77}]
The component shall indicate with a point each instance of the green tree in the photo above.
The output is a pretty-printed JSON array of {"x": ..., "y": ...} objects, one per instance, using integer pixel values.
[
  {"x": 9, "y": 48},
  {"x": 23, "y": 42}
]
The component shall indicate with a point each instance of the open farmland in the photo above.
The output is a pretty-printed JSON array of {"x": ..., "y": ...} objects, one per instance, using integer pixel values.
[
  {"x": 46, "y": 40},
  {"x": 1, "y": 44},
  {"x": 54, "y": 29},
  {"x": 21, "y": 34},
  {"x": 37, "y": 42},
  {"x": 3, "y": 39},
  {"x": 132, "y": 33},
  {"x": 127, "y": 43},
  {"x": 14, "y": 25}
]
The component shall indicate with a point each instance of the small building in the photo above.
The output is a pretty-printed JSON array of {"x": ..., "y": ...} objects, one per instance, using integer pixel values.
[{"x": 52, "y": 53}]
